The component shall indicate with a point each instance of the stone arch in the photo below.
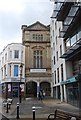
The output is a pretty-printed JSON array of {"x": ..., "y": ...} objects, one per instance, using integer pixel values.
[
  {"x": 31, "y": 89},
  {"x": 46, "y": 87}
]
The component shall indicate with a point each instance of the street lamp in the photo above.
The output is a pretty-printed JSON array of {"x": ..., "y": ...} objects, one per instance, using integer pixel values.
[{"x": 20, "y": 83}]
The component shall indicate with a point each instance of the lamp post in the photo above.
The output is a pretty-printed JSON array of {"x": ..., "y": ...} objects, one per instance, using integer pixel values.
[{"x": 20, "y": 83}]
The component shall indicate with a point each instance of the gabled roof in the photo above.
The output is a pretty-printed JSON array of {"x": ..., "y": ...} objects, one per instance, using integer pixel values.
[{"x": 37, "y": 26}]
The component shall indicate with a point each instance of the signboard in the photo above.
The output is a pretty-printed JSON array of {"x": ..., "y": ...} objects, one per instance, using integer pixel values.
[
  {"x": 37, "y": 70},
  {"x": 22, "y": 87},
  {"x": 9, "y": 87},
  {"x": 69, "y": 80}
]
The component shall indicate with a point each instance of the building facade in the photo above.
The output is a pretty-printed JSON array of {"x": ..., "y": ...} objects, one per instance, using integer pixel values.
[
  {"x": 36, "y": 38},
  {"x": 58, "y": 64},
  {"x": 11, "y": 79},
  {"x": 70, "y": 34}
]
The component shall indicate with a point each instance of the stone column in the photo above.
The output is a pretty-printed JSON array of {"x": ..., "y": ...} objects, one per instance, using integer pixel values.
[
  {"x": 38, "y": 89},
  {"x": 61, "y": 91},
  {"x": 65, "y": 97},
  {"x": 56, "y": 93},
  {"x": 51, "y": 90}
]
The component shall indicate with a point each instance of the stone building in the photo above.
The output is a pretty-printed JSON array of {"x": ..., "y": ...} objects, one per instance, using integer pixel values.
[{"x": 36, "y": 38}]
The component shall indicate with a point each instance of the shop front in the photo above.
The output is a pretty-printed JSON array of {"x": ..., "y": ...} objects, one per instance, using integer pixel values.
[
  {"x": 72, "y": 91},
  {"x": 12, "y": 89}
]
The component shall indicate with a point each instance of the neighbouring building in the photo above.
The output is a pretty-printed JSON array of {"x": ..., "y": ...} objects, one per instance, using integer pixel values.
[
  {"x": 11, "y": 79},
  {"x": 36, "y": 39},
  {"x": 58, "y": 64},
  {"x": 68, "y": 15}
]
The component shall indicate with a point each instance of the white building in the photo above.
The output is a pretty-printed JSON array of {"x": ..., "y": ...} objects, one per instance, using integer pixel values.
[
  {"x": 66, "y": 51},
  {"x": 11, "y": 58},
  {"x": 58, "y": 64}
]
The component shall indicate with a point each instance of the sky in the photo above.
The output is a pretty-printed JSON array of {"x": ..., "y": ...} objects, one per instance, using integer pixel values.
[{"x": 15, "y": 13}]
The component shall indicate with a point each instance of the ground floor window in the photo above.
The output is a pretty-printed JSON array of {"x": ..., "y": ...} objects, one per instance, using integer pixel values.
[{"x": 72, "y": 90}]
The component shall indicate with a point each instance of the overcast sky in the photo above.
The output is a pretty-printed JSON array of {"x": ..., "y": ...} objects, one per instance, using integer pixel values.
[{"x": 14, "y": 13}]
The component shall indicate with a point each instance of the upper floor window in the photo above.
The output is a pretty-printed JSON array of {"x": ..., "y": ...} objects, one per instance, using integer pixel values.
[
  {"x": 55, "y": 25},
  {"x": 54, "y": 60},
  {"x": 55, "y": 76},
  {"x": 10, "y": 54},
  {"x": 60, "y": 50},
  {"x": 37, "y": 37},
  {"x": 62, "y": 72},
  {"x": 16, "y": 54},
  {"x": 2, "y": 60},
  {"x": 5, "y": 56},
  {"x": 21, "y": 54},
  {"x": 5, "y": 71},
  {"x": 54, "y": 46},
  {"x": 56, "y": 40},
  {"x": 38, "y": 59},
  {"x": 15, "y": 70},
  {"x": 10, "y": 69},
  {"x": 53, "y": 33},
  {"x": 2, "y": 72},
  {"x": 58, "y": 74},
  {"x": 57, "y": 55}
]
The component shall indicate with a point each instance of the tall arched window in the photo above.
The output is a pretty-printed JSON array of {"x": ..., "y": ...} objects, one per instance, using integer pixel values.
[{"x": 37, "y": 58}]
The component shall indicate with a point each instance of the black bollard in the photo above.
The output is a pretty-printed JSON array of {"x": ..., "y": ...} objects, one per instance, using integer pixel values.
[
  {"x": 17, "y": 110},
  {"x": 20, "y": 98},
  {"x": 33, "y": 108},
  {"x": 7, "y": 108},
  {"x": 9, "y": 105}
]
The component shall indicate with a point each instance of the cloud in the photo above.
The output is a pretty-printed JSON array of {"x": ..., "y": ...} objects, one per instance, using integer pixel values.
[{"x": 14, "y": 13}]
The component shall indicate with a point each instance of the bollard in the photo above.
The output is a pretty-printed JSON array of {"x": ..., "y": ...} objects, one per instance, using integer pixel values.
[
  {"x": 73, "y": 118},
  {"x": 17, "y": 110},
  {"x": 7, "y": 108},
  {"x": 20, "y": 98},
  {"x": 33, "y": 108},
  {"x": 9, "y": 105}
]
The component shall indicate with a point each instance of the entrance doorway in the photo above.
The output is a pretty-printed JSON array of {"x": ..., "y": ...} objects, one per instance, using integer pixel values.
[
  {"x": 31, "y": 89},
  {"x": 46, "y": 87},
  {"x": 15, "y": 91}
]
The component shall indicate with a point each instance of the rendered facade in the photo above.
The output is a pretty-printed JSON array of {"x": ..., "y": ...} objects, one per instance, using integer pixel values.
[
  {"x": 68, "y": 15},
  {"x": 11, "y": 58},
  {"x": 36, "y": 39}
]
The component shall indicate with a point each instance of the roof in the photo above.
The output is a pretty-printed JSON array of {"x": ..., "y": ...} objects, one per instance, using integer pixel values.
[{"x": 36, "y": 26}]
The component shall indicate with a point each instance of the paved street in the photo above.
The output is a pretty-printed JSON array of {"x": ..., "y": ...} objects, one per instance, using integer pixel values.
[
  {"x": 2, "y": 117},
  {"x": 43, "y": 108}
]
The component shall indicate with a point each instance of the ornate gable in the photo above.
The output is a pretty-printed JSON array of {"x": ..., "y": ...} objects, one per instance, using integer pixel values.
[{"x": 37, "y": 26}]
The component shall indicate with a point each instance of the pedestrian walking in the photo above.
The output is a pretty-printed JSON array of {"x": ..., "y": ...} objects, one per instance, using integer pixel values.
[
  {"x": 43, "y": 94},
  {"x": 40, "y": 95}
]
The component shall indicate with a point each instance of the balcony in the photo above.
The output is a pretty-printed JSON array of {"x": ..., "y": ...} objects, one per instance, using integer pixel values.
[
  {"x": 61, "y": 10},
  {"x": 72, "y": 51},
  {"x": 71, "y": 22}
]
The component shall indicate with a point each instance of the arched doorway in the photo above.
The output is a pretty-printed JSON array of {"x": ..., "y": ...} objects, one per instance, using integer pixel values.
[
  {"x": 31, "y": 89},
  {"x": 46, "y": 87}
]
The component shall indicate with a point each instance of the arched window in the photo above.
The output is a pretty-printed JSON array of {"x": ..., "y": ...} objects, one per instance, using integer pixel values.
[{"x": 37, "y": 59}]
